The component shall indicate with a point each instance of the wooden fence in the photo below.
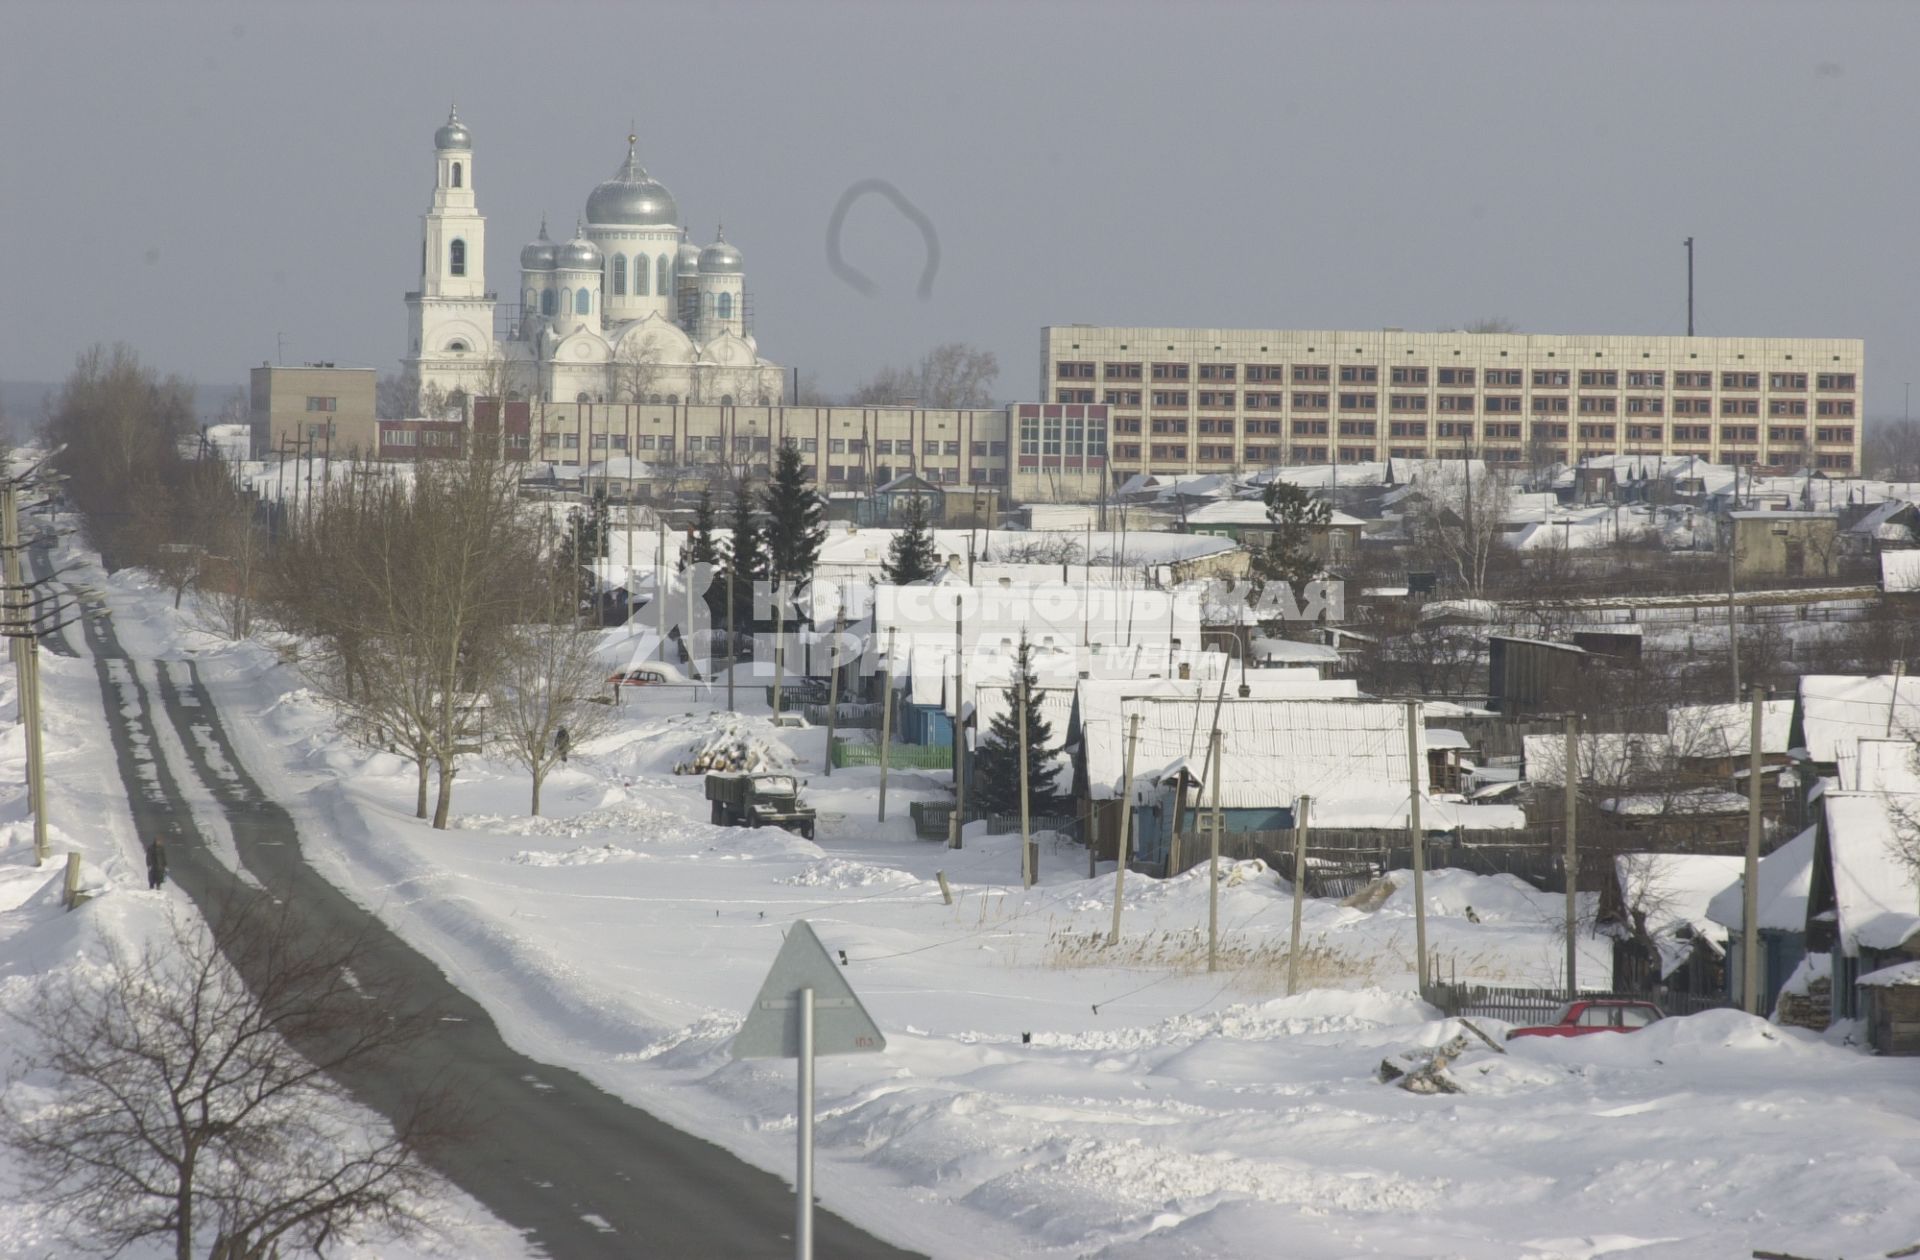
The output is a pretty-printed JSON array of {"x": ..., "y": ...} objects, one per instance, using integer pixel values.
[
  {"x": 1543, "y": 1006},
  {"x": 1342, "y": 861}
]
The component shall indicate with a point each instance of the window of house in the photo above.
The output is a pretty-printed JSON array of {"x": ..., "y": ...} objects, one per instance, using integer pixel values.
[
  {"x": 1309, "y": 373},
  {"x": 1787, "y": 380},
  {"x": 583, "y": 302},
  {"x": 1505, "y": 378},
  {"x": 1604, "y": 406},
  {"x": 1171, "y": 372},
  {"x": 1834, "y": 407},
  {"x": 620, "y": 275},
  {"x": 1456, "y": 403},
  {"x": 1598, "y": 379},
  {"x": 725, "y": 305},
  {"x": 1309, "y": 402},
  {"x": 1549, "y": 378},
  {"x": 457, "y": 257},
  {"x": 1739, "y": 380},
  {"x": 1358, "y": 374},
  {"x": 1835, "y": 380},
  {"x": 1121, "y": 371},
  {"x": 322, "y": 404},
  {"x": 1409, "y": 376},
  {"x": 1458, "y": 376},
  {"x": 1358, "y": 401},
  {"x": 1169, "y": 397},
  {"x": 456, "y": 174},
  {"x": 1217, "y": 371}
]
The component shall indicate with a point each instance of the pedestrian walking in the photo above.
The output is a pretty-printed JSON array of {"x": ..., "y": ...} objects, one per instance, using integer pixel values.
[
  {"x": 561, "y": 743},
  {"x": 156, "y": 863}
]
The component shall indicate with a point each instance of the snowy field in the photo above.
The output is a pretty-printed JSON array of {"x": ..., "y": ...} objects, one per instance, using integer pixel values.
[{"x": 1042, "y": 1094}]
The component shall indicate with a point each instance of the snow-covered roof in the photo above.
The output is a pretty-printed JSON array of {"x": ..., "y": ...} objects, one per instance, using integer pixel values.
[
  {"x": 1723, "y": 730},
  {"x": 1672, "y": 891},
  {"x": 1837, "y": 709},
  {"x": 1384, "y": 810},
  {"x": 1900, "y": 570},
  {"x": 990, "y": 703},
  {"x": 1441, "y": 737},
  {"x": 1252, "y": 512},
  {"x": 1898, "y": 975},
  {"x": 1783, "y": 516},
  {"x": 1700, "y": 802},
  {"x": 1273, "y": 750},
  {"x": 1293, "y": 651},
  {"x": 1786, "y": 874},
  {"x": 1876, "y": 898},
  {"x": 1880, "y": 764},
  {"x": 1878, "y": 515}
]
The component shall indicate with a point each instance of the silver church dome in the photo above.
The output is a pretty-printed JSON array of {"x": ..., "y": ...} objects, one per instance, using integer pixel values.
[
  {"x": 541, "y": 253},
  {"x": 719, "y": 258},
  {"x": 688, "y": 260},
  {"x": 632, "y": 197},
  {"x": 578, "y": 254},
  {"x": 454, "y": 134}
]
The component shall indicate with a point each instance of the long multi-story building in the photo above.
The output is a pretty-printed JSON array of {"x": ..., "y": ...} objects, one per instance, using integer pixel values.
[{"x": 1183, "y": 400}]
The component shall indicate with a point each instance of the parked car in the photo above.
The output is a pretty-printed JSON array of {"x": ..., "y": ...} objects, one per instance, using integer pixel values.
[
  {"x": 1595, "y": 1015},
  {"x": 646, "y": 676}
]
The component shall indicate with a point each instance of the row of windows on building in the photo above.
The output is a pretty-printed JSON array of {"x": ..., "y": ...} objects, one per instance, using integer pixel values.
[
  {"x": 550, "y": 302},
  {"x": 1369, "y": 400},
  {"x": 754, "y": 443},
  {"x": 1368, "y": 374},
  {"x": 1174, "y": 458},
  {"x": 662, "y": 267}
]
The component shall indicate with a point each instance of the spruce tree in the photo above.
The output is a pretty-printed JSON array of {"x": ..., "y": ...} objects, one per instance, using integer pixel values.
[
  {"x": 911, "y": 556},
  {"x": 701, "y": 547},
  {"x": 1297, "y": 514},
  {"x": 794, "y": 531},
  {"x": 996, "y": 764},
  {"x": 745, "y": 562}
]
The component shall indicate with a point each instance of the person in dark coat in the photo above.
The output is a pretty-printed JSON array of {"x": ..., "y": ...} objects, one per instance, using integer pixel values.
[
  {"x": 156, "y": 863},
  {"x": 562, "y": 743}
]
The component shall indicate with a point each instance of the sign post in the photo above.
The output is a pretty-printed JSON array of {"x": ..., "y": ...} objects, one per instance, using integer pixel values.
[{"x": 805, "y": 1008}]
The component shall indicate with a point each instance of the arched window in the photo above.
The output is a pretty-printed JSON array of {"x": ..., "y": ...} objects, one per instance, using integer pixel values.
[
  {"x": 582, "y": 397},
  {"x": 726, "y": 400},
  {"x": 641, "y": 267},
  {"x": 566, "y": 299},
  {"x": 726, "y": 306},
  {"x": 546, "y": 302},
  {"x": 654, "y": 399},
  {"x": 456, "y": 174},
  {"x": 620, "y": 274},
  {"x": 583, "y": 302},
  {"x": 673, "y": 400},
  {"x": 533, "y": 301},
  {"x": 664, "y": 286},
  {"x": 457, "y": 347},
  {"x": 457, "y": 257}
]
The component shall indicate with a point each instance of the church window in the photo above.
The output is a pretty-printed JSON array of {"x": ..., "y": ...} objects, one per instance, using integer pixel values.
[
  {"x": 583, "y": 302},
  {"x": 620, "y": 275},
  {"x": 726, "y": 306},
  {"x": 546, "y": 302},
  {"x": 655, "y": 400},
  {"x": 457, "y": 257},
  {"x": 582, "y": 397},
  {"x": 457, "y": 347},
  {"x": 640, "y": 269},
  {"x": 674, "y": 399},
  {"x": 456, "y": 174},
  {"x": 663, "y": 286},
  {"x": 726, "y": 400}
]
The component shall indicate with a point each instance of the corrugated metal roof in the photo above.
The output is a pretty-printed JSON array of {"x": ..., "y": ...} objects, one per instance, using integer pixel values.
[
  {"x": 1836, "y": 709},
  {"x": 1873, "y": 882},
  {"x": 1273, "y": 750}
]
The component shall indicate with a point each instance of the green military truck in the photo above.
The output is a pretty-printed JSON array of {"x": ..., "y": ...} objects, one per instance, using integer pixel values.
[{"x": 759, "y": 799}]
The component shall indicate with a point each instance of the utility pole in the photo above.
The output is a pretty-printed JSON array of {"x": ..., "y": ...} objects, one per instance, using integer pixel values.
[
  {"x": 1026, "y": 825},
  {"x": 1571, "y": 758},
  {"x": 1733, "y": 613},
  {"x": 1418, "y": 840},
  {"x": 1689, "y": 286},
  {"x": 959, "y": 732},
  {"x": 1893, "y": 698},
  {"x": 1300, "y": 895},
  {"x": 732, "y": 652},
  {"x": 1126, "y": 828},
  {"x": 1213, "y": 864},
  {"x": 886, "y": 720},
  {"x": 21, "y": 625},
  {"x": 833, "y": 688},
  {"x": 779, "y": 646},
  {"x": 1750, "y": 882}
]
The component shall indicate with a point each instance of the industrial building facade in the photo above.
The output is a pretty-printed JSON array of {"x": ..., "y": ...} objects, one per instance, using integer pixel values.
[{"x": 1185, "y": 400}]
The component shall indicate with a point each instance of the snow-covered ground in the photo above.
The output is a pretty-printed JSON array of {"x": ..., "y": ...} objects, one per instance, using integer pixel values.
[
  {"x": 87, "y": 812},
  {"x": 1044, "y": 1093}
]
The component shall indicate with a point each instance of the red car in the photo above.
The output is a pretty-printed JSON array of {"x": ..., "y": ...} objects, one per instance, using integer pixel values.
[{"x": 1595, "y": 1015}]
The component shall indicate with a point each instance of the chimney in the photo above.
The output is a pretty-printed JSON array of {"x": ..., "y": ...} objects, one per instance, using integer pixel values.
[{"x": 1186, "y": 670}]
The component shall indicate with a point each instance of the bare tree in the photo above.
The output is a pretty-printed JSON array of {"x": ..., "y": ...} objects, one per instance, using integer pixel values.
[
  {"x": 639, "y": 366},
  {"x": 1457, "y": 521},
  {"x": 809, "y": 394},
  {"x": 950, "y": 375},
  {"x": 1893, "y": 449},
  {"x": 396, "y": 396},
  {"x": 196, "y": 1099},
  {"x": 549, "y": 682},
  {"x": 1489, "y": 324}
]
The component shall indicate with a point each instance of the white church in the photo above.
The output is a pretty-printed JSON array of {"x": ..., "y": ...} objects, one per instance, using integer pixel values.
[{"x": 628, "y": 310}]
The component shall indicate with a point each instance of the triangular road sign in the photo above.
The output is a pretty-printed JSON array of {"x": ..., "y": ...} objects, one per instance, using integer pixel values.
[{"x": 840, "y": 1024}]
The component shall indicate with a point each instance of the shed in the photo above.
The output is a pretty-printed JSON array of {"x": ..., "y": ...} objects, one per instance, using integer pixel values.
[
  {"x": 1863, "y": 900},
  {"x": 1891, "y": 1008}
]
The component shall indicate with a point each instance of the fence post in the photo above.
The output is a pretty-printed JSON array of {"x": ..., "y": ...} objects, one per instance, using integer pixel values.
[
  {"x": 886, "y": 720},
  {"x": 1299, "y": 893}
]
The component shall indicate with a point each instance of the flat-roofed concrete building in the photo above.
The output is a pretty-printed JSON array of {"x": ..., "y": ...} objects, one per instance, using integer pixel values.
[
  {"x": 330, "y": 406},
  {"x": 1183, "y": 400}
]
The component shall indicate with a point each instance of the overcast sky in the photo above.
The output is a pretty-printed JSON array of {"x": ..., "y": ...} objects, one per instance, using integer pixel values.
[{"x": 197, "y": 178}]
